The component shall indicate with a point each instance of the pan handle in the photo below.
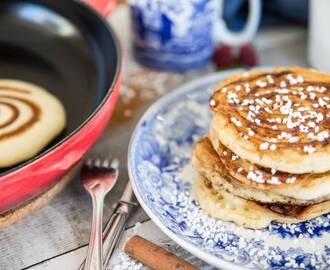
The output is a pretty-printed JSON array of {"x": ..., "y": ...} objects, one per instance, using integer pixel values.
[{"x": 104, "y": 7}]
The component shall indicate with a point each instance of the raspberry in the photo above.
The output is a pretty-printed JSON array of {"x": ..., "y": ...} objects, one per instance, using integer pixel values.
[
  {"x": 222, "y": 57},
  {"x": 247, "y": 56}
]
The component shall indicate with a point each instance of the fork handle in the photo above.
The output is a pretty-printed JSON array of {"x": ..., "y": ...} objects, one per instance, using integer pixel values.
[
  {"x": 114, "y": 229},
  {"x": 94, "y": 253}
]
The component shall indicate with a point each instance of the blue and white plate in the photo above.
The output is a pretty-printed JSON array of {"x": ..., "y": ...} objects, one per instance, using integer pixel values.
[{"x": 159, "y": 156}]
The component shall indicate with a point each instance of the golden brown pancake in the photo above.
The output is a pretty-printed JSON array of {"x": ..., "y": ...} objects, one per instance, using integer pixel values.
[
  {"x": 277, "y": 119},
  {"x": 228, "y": 207},
  {"x": 228, "y": 171},
  {"x": 30, "y": 118}
]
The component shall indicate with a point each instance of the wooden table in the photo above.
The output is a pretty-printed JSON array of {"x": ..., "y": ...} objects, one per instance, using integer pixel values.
[{"x": 56, "y": 236}]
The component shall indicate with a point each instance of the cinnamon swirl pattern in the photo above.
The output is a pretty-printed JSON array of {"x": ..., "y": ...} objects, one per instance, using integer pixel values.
[
  {"x": 30, "y": 118},
  {"x": 13, "y": 108},
  {"x": 267, "y": 149}
]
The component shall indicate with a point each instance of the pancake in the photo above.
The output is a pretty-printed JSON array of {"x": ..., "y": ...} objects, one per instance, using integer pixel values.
[
  {"x": 228, "y": 171},
  {"x": 277, "y": 119},
  {"x": 224, "y": 205},
  {"x": 30, "y": 118}
]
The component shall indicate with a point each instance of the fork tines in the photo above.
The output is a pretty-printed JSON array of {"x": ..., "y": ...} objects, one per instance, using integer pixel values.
[{"x": 98, "y": 162}]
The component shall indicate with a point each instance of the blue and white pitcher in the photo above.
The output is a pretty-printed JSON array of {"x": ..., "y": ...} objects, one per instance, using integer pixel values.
[{"x": 181, "y": 34}]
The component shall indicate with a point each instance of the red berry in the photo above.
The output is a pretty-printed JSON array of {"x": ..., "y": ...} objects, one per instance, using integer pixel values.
[
  {"x": 247, "y": 56},
  {"x": 222, "y": 57}
]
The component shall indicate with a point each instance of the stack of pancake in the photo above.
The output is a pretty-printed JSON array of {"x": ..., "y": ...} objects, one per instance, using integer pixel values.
[{"x": 267, "y": 155}]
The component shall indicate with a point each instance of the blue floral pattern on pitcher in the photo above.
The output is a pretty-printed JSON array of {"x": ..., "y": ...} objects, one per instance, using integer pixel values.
[
  {"x": 161, "y": 147},
  {"x": 171, "y": 34}
]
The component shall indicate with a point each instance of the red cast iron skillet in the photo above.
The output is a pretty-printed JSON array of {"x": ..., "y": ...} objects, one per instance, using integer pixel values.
[{"x": 68, "y": 48}]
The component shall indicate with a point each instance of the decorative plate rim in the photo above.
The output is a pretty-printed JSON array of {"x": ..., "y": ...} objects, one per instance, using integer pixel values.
[
  {"x": 155, "y": 156},
  {"x": 191, "y": 247}
]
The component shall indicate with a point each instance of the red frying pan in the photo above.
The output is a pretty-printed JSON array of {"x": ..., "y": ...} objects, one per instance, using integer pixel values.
[{"x": 69, "y": 49}]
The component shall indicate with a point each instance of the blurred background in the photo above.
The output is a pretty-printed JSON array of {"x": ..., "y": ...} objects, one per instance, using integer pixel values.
[
  {"x": 190, "y": 34},
  {"x": 186, "y": 35}
]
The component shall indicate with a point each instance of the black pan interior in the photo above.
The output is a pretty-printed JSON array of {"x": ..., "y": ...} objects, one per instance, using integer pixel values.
[{"x": 62, "y": 46}]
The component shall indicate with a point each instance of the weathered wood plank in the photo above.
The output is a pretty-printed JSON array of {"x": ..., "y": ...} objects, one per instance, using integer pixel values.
[
  {"x": 147, "y": 230},
  {"x": 59, "y": 227}
]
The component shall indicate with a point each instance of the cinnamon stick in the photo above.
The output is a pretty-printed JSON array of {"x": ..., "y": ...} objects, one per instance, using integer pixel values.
[{"x": 155, "y": 256}]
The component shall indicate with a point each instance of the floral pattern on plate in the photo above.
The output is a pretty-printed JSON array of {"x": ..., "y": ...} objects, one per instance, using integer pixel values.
[{"x": 159, "y": 157}]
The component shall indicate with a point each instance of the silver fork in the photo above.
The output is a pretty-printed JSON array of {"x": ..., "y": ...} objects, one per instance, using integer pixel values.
[{"x": 98, "y": 178}]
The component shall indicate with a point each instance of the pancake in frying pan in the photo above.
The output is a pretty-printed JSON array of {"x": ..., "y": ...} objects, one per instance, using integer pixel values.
[{"x": 30, "y": 118}]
